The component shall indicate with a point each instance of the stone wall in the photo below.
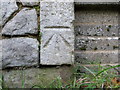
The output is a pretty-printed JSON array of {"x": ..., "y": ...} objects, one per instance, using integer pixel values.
[
  {"x": 20, "y": 31},
  {"x": 97, "y": 33},
  {"x": 27, "y": 26},
  {"x": 39, "y": 40},
  {"x": 57, "y": 40}
]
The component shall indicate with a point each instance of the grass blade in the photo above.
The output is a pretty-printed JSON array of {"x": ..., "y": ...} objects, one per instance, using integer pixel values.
[
  {"x": 107, "y": 69},
  {"x": 89, "y": 71}
]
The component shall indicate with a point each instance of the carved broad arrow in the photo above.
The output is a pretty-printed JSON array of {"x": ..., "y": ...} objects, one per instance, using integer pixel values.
[
  {"x": 57, "y": 47},
  {"x": 56, "y": 25}
]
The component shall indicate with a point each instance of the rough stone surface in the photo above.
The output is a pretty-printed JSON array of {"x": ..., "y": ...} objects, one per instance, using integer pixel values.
[
  {"x": 108, "y": 57},
  {"x": 57, "y": 41},
  {"x": 7, "y": 8},
  {"x": 0, "y": 19},
  {"x": 30, "y": 2},
  {"x": 36, "y": 76},
  {"x": 57, "y": 46},
  {"x": 0, "y": 54},
  {"x": 19, "y": 52},
  {"x": 95, "y": 43},
  {"x": 96, "y": 1},
  {"x": 55, "y": 14},
  {"x": 97, "y": 30},
  {"x": 25, "y": 22},
  {"x": 96, "y": 17}
]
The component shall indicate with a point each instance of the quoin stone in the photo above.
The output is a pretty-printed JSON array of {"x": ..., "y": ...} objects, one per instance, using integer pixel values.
[{"x": 57, "y": 41}]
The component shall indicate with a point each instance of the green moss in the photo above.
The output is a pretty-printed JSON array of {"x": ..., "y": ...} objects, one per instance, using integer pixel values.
[
  {"x": 115, "y": 47},
  {"x": 37, "y": 8},
  {"x": 83, "y": 48},
  {"x": 40, "y": 34},
  {"x": 39, "y": 27},
  {"x": 109, "y": 26}
]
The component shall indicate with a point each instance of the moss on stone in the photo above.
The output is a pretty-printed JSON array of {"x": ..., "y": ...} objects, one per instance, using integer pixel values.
[
  {"x": 37, "y": 8},
  {"x": 109, "y": 26},
  {"x": 83, "y": 48},
  {"x": 115, "y": 47}
]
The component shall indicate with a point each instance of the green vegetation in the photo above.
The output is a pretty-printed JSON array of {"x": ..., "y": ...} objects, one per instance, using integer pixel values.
[
  {"x": 83, "y": 48},
  {"x": 103, "y": 77},
  {"x": 97, "y": 76},
  {"x": 110, "y": 26},
  {"x": 115, "y": 47},
  {"x": 37, "y": 8},
  {"x": 1, "y": 81}
]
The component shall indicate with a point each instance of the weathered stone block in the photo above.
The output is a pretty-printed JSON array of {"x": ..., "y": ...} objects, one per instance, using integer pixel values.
[
  {"x": 97, "y": 17},
  {"x": 97, "y": 1},
  {"x": 0, "y": 54},
  {"x": 57, "y": 46},
  {"x": 25, "y": 22},
  {"x": 104, "y": 57},
  {"x": 56, "y": 14},
  {"x": 96, "y": 43},
  {"x": 57, "y": 41},
  {"x": 30, "y": 2},
  {"x": 7, "y": 7},
  {"x": 37, "y": 76},
  {"x": 97, "y": 30},
  {"x": 19, "y": 52},
  {"x": 0, "y": 20}
]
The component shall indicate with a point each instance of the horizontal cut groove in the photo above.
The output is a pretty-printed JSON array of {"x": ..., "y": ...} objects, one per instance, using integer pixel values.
[
  {"x": 97, "y": 38},
  {"x": 97, "y": 65},
  {"x": 98, "y": 51},
  {"x": 57, "y": 27},
  {"x": 96, "y": 23}
]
